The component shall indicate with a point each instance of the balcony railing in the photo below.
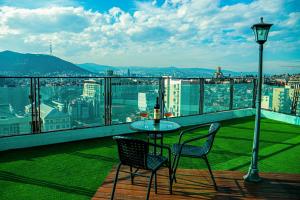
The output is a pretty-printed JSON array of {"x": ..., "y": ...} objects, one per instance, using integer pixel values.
[{"x": 42, "y": 104}]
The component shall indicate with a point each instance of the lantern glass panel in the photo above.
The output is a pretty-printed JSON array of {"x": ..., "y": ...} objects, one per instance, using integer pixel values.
[{"x": 261, "y": 33}]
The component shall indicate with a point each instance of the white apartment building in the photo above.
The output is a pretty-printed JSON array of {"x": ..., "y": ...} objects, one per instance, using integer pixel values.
[
  {"x": 92, "y": 88},
  {"x": 266, "y": 102},
  {"x": 282, "y": 99},
  {"x": 181, "y": 96}
]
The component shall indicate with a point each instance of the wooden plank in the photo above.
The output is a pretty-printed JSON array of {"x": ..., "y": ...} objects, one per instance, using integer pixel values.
[{"x": 196, "y": 184}]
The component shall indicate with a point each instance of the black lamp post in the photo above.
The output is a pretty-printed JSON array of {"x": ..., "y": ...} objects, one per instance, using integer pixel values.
[{"x": 261, "y": 31}]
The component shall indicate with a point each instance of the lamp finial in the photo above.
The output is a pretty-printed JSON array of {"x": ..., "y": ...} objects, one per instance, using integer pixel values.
[{"x": 261, "y": 20}]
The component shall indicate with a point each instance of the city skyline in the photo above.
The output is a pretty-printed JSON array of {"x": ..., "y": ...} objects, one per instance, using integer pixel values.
[{"x": 182, "y": 33}]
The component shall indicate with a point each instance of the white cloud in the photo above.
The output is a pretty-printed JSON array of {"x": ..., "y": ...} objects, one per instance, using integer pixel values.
[
  {"x": 180, "y": 32},
  {"x": 45, "y": 20},
  {"x": 38, "y": 3},
  {"x": 292, "y": 20}
]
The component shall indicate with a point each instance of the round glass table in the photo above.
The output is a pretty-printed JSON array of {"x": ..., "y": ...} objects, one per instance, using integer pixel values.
[{"x": 154, "y": 129}]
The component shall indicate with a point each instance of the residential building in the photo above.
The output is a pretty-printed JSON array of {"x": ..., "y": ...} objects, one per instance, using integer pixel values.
[
  {"x": 11, "y": 123},
  {"x": 282, "y": 99},
  {"x": 181, "y": 96},
  {"x": 142, "y": 101},
  {"x": 266, "y": 102},
  {"x": 92, "y": 88},
  {"x": 51, "y": 118}
]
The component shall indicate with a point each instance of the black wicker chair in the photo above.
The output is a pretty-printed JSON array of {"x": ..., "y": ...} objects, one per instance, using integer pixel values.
[
  {"x": 184, "y": 149},
  {"x": 135, "y": 154}
]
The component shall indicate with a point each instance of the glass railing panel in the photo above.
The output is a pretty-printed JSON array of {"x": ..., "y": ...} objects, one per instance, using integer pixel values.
[
  {"x": 181, "y": 96},
  {"x": 216, "y": 95},
  {"x": 133, "y": 97},
  {"x": 68, "y": 103},
  {"x": 14, "y": 103},
  {"x": 242, "y": 93}
]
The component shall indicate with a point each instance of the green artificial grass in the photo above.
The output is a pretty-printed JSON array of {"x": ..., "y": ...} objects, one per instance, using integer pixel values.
[{"x": 75, "y": 170}]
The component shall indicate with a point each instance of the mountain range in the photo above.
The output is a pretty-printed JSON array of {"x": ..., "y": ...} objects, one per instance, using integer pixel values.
[
  {"x": 27, "y": 63},
  {"x": 155, "y": 71},
  {"x": 96, "y": 68},
  {"x": 42, "y": 64}
]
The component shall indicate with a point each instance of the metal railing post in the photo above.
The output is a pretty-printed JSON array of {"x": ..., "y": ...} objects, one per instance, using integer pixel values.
[
  {"x": 161, "y": 94},
  {"x": 39, "y": 119},
  {"x": 109, "y": 101},
  {"x": 106, "y": 102},
  {"x": 35, "y": 105},
  {"x": 254, "y": 93},
  {"x": 31, "y": 103},
  {"x": 201, "y": 96},
  {"x": 231, "y": 94}
]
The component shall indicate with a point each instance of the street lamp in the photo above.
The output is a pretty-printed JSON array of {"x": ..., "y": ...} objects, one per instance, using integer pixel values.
[{"x": 261, "y": 31}]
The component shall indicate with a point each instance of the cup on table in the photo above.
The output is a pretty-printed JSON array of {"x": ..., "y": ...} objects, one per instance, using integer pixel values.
[
  {"x": 144, "y": 116},
  {"x": 168, "y": 114}
]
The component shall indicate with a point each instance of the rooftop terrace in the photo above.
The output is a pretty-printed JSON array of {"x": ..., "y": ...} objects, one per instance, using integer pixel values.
[{"x": 76, "y": 170}]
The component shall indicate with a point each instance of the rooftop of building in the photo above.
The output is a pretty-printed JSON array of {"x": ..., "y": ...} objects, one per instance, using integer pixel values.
[{"x": 76, "y": 170}]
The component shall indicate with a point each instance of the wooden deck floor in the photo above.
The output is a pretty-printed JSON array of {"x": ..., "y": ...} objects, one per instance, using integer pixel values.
[{"x": 196, "y": 184}]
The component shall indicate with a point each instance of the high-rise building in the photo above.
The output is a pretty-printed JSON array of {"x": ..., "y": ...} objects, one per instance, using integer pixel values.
[
  {"x": 282, "y": 99},
  {"x": 128, "y": 72},
  {"x": 173, "y": 96},
  {"x": 181, "y": 96},
  {"x": 79, "y": 110},
  {"x": 92, "y": 88},
  {"x": 142, "y": 101},
  {"x": 265, "y": 102},
  {"x": 92, "y": 97},
  {"x": 294, "y": 83}
]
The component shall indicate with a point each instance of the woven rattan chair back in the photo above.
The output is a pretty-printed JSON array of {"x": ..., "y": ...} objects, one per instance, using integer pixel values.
[{"x": 132, "y": 152}]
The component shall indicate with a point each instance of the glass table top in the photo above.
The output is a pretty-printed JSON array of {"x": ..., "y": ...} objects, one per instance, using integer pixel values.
[{"x": 149, "y": 125}]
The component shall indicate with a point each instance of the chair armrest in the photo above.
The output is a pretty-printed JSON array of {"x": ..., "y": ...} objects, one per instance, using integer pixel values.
[{"x": 191, "y": 129}]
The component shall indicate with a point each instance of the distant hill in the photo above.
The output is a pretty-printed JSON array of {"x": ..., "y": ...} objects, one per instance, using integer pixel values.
[
  {"x": 182, "y": 71},
  {"x": 96, "y": 68},
  {"x": 156, "y": 71},
  {"x": 36, "y": 63},
  {"x": 41, "y": 64}
]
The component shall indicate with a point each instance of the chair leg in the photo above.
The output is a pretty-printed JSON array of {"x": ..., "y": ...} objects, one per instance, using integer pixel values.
[
  {"x": 155, "y": 182},
  {"x": 172, "y": 167},
  {"x": 170, "y": 178},
  {"x": 211, "y": 174},
  {"x": 149, "y": 186},
  {"x": 175, "y": 168},
  {"x": 115, "y": 182},
  {"x": 161, "y": 143},
  {"x": 131, "y": 175}
]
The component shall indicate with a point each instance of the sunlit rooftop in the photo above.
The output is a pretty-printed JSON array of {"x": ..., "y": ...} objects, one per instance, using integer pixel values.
[{"x": 76, "y": 170}]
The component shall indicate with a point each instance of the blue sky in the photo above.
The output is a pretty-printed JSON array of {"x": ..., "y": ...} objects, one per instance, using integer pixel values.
[{"x": 155, "y": 33}]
